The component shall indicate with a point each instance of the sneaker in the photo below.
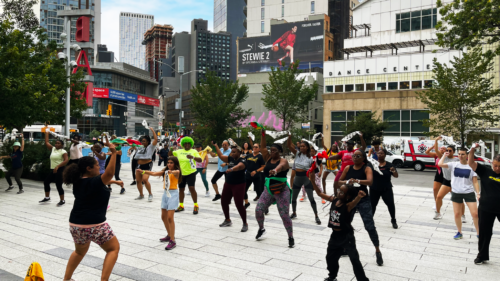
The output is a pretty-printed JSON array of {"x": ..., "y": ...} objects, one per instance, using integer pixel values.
[
  {"x": 20, "y": 191},
  {"x": 150, "y": 198},
  {"x": 217, "y": 197},
  {"x": 62, "y": 202},
  {"x": 464, "y": 220},
  {"x": 140, "y": 197},
  {"x": 291, "y": 242},
  {"x": 180, "y": 209},
  {"x": 479, "y": 261},
  {"x": 380, "y": 261},
  {"x": 226, "y": 223},
  {"x": 293, "y": 216},
  {"x": 165, "y": 239},
  {"x": 437, "y": 216},
  {"x": 122, "y": 191},
  {"x": 171, "y": 245},
  {"x": 458, "y": 236},
  {"x": 195, "y": 210},
  {"x": 207, "y": 194},
  {"x": 108, "y": 207},
  {"x": 44, "y": 200},
  {"x": 256, "y": 198},
  {"x": 302, "y": 199},
  {"x": 330, "y": 279},
  {"x": 394, "y": 224},
  {"x": 10, "y": 188},
  {"x": 477, "y": 236},
  {"x": 266, "y": 212},
  {"x": 244, "y": 228},
  {"x": 318, "y": 221},
  {"x": 133, "y": 183},
  {"x": 188, "y": 193},
  {"x": 247, "y": 205},
  {"x": 260, "y": 234},
  {"x": 323, "y": 201}
]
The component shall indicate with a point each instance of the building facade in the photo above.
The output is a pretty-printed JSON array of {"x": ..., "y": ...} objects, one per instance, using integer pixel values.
[
  {"x": 54, "y": 25},
  {"x": 131, "y": 95},
  {"x": 103, "y": 55},
  {"x": 132, "y": 29},
  {"x": 230, "y": 16},
  {"x": 158, "y": 41}
]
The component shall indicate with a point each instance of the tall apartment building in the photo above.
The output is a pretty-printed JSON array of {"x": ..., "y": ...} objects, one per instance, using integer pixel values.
[
  {"x": 132, "y": 29},
  {"x": 158, "y": 41},
  {"x": 55, "y": 25},
  {"x": 230, "y": 16}
]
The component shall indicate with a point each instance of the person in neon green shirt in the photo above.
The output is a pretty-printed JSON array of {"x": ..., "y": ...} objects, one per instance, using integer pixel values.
[{"x": 187, "y": 158}]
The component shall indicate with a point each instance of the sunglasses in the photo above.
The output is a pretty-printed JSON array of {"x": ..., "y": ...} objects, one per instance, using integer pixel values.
[
  {"x": 356, "y": 156},
  {"x": 449, "y": 150},
  {"x": 255, "y": 147}
]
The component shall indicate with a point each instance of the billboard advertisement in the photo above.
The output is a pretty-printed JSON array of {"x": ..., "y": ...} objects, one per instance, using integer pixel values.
[{"x": 288, "y": 42}]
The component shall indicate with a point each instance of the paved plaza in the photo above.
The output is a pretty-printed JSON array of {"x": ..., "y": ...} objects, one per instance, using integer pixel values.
[{"x": 421, "y": 249}]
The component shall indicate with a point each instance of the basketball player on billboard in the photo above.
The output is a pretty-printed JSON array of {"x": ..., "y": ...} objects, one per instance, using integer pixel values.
[{"x": 286, "y": 42}]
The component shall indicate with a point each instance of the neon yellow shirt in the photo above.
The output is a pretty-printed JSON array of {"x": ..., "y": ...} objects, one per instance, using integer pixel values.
[{"x": 188, "y": 166}]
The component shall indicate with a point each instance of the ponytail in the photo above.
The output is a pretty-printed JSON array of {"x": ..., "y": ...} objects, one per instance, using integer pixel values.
[{"x": 74, "y": 172}]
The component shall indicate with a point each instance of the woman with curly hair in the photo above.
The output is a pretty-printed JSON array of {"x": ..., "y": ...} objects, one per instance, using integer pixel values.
[
  {"x": 144, "y": 157},
  {"x": 187, "y": 156}
]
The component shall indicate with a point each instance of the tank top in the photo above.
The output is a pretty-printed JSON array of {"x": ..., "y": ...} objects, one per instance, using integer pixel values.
[
  {"x": 374, "y": 154},
  {"x": 75, "y": 152},
  {"x": 332, "y": 164},
  {"x": 357, "y": 175},
  {"x": 339, "y": 217},
  {"x": 172, "y": 181},
  {"x": 102, "y": 164},
  {"x": 270, "y": 166}
]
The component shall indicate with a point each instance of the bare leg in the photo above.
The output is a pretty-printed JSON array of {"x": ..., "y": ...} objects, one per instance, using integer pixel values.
[
  {"x": 112, "y": 247},
  {"x": 435, "y": 188},
  {"x": 290, "y": 49},
  {"x": 473, "y": 211},
  {"x": 181, "y": 195},
  {"x": 75, "y": 259},
  {"x": 194, "y": 195},
  {"x": 457, "y": 211},
  {"x": 171, "y": 224},
  {"x": 216, "y": 188},
  {"x": 323, "y": 179},
  {"x": 145, "y": 178},
  {"x": 441, "y": 194},
  {"x": 138, "y": 178}
]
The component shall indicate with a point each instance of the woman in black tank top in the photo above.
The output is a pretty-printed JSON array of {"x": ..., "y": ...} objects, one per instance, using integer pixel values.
[
  {"x": 361, "y": 175},
  {"x": 342, "y": 238},
  {"x": 275, "y": 173}
]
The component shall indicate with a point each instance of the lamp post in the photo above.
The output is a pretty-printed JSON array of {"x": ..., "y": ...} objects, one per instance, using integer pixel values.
[{"x": 310, "y": 121}]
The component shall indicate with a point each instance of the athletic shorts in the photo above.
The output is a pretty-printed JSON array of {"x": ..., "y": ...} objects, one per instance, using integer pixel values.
[
  {"x": 461, "y": 197},
  {"x": 172, "y": 202},
  {"x": 446, "y": 182},
  {"x": 189, "y": 180},
  {"x": 438, "y": 177},
  {"x": 330, "y": 171},
  {"x": 217, "y": 176},
  {"x": 145, "y": 167},
  {"x": 99, "y": 234}
]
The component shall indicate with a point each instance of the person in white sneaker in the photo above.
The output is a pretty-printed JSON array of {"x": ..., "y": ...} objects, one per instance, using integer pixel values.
[
  {"x": 463, "y": 184},
  {"x": 201, "y": 167}
]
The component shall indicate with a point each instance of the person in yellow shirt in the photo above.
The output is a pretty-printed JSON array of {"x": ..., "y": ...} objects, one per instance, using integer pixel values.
[
  {"x": 170, "y": 200},
  {"x": 332, "y": 166}
]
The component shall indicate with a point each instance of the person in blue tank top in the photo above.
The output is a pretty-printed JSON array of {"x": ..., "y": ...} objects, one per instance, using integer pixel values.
[
  {"x": 373, "y": 151},
  {"x": 99, "y": 155}
]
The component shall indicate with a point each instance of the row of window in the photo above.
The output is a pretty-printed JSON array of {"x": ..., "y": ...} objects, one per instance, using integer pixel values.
[
  {"x": 119, "y": 82},
  {"x": 263, "y": 13},
  {"x": 384, "y": 86},
  {"x": 416, "y": 20}
]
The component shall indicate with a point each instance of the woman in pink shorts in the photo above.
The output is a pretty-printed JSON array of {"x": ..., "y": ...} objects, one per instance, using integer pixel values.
[{"x": 87, "y": 221}]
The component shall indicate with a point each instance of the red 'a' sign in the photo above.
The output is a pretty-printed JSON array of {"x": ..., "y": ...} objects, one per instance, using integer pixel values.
[
  {"x": 85, "y": 64},
  {"x": 82, "y": 29}
]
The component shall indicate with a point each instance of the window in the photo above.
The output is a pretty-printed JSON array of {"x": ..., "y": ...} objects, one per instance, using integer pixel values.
[
  {"x": 282, "y": 1},
  {"x": 339, "y": 120},
  {"x": 406, "y": 122},
  {"x": 142, "y": 110},
  {"x": 263, "y": 3},
  {"x": 370, "y": 86},
  {"x": 316, "y": 114},
  {"x": 283, "y": 10},
  {"x": 329, "y": 45},
  {"x": 329, "y": 89},
  {"x": 349, "y": 88},
  {"x": 339, "y": 88},
  {"x": 262, "y": 27},
  {"x": 360, "y": 87},
  {"x": 416, "y": 84},
  {"x": 393, "y": 85},
  {"x": 416, "y": 20},
  {"x": 428, "y": 84},
  {"x": 404, "y": 85},
  {"x": 262, "y": 14},
  {"x": 381, "y": 86},
  {"x": 312, "y": 7}
]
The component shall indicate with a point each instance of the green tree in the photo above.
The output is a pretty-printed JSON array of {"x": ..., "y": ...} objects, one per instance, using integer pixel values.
[
  {"x": 287, "y": 95},
  {"x": 94, "y": 134},
  {"x": 369, "y": 124},
  {"x": 216, "y": 104},
  {"x": 469, "y": 23},
  {"x": 462, "y": 101},
  {"x": 33, "y": 80}
]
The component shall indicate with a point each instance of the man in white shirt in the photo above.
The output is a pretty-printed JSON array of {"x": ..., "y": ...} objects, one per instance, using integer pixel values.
[{"x": 463, "y": 184}]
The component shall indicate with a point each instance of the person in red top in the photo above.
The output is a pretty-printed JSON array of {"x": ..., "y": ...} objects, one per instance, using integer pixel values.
[
  {"x": 286, "y": 42},
  {"x": 346, "y": 157}
]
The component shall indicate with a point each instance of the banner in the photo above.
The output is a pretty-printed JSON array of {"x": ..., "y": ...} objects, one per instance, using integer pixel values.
[
  {"x": 119, "y": 95},
  {"x": 148, "y": 101},
  {"x": 101, "y": 93}
]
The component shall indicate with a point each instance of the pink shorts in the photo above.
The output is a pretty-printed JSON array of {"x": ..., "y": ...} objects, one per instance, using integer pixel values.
[
  {"x": 98, "y": 234},
  {"x": 337, "y": 177}
]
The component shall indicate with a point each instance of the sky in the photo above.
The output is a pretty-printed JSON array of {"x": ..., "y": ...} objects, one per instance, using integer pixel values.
[{"x": 178, "y": 13}]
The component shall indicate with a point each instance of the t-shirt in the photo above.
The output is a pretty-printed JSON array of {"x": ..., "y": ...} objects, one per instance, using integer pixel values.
[
  {"x": 145, "y": 152},
  {"x": 203, "y": 163},
  {"x": 75, "y": 152},
  {"x": 490, "y": 189},
  {"x": 331, "y": 164},
  {"x": 254, "y": 162},
  {"x": 56, "y": 157},
  {"x": 346, "y": 157},
  {"x": 91, "y": 202},
  {"x": 17, "y": 158},
  {"x": 188, "y": 166},
  {"x": 382, "y": 181},
  {"x": 461, "y": 178},
  {"x": 447, "y": 172},
  {"x": 220, "y": 162},
  {"x": 235, "y": 177},
  {"x": 302, "y": 162}
]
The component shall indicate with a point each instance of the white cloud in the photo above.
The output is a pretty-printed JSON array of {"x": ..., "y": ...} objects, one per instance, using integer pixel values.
[{"x": 178, "y": 13}]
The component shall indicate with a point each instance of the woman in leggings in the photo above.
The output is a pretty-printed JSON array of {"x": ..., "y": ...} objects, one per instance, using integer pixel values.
[
  {"x": 87, "y": 221},
  {"x": 332, "y": 166},
  {"x": 58, "y": 159},
  {"x": 276, "y": 189},
  {"x": 361, "y": 176},
  {"x": 133, "y": 162},
  {"x": 382, "y": 186},
  {"x": 438, "y": 178},
  {"x": 303, "y": 162},
  {"x": 16, "y": 169}
]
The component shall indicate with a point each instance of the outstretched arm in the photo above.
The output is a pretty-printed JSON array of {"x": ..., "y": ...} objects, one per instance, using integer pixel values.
[
  {"x": 155, "y": 141},
  {"x": 109, "y": 173},
  {"x": 323, "y": 144},
  {"x": 263, "y": 147},
  {"x": 470, "y": 160},
  {"x": 22, "y": 143},
  {"x": 431, "y": 154},
  {"x": 355, "y": 202},
  {"x": 251, "y": 142},
  {"x": 436, "y": 149},
  {"x": 47, "y": 144},
  {"x": 363, "y": 143},
  {"x": 290, "y": 145},
  {"x": 219, "y": 153}
]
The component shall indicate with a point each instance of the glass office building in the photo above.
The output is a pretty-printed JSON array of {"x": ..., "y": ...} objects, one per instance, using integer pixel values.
[{"x": 132, "y": 29}]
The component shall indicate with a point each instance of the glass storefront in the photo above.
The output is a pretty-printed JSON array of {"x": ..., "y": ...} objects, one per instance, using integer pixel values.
[{"x": 118, "y": 82}]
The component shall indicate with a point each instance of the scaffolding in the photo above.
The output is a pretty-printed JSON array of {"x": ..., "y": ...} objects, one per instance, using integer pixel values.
[{"x": 158, "y": 41}]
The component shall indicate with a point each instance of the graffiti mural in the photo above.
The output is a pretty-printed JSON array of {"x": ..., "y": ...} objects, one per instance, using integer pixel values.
[{"x": 270, "y": 120}]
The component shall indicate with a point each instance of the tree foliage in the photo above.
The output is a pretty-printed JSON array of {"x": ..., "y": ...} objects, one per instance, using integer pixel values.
[
  {"x": 369, "y": 124},
  {"x": 462, "y": 101},
  {"x": 469, "y": 23},
  {"x": 216, "y": 104},
  {"x": 287, "y": 95},
  {"x": 33, "y": 80}
]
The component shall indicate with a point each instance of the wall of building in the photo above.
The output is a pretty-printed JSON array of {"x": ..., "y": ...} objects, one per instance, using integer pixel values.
[
  {"x": 132, "y": 29},
  {"x": 181, "y": 46},
  {"x": 235, "y": 18}
]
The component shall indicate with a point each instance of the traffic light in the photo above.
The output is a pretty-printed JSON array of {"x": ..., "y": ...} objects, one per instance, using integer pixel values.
[{"x": 109, "y": 112}]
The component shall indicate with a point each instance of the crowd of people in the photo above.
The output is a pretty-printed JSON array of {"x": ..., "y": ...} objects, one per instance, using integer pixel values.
[{"x": 359, "y": 185}]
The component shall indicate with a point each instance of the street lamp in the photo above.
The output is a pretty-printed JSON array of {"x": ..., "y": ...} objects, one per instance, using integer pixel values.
[
  {"x": 310, "y": 121},
  {"x": 69, "y": 65}
]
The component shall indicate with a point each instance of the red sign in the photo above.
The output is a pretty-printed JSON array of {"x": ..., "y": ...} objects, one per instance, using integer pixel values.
[
  {"x": 82, "y": 29},
  {"x": 85, "y": 64},
  {"x": 89, "y": 93},
  {"x": 148, "y": 100},
  {"x": 101, "y": 93}
]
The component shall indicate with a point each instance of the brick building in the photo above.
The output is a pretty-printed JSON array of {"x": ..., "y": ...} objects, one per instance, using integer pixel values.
[{"x": 158, "y": 40}]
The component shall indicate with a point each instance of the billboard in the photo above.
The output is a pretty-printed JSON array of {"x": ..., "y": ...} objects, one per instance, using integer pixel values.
[
  {"x": 288, "y": 42},
  {"x": 124, "y": 96}
]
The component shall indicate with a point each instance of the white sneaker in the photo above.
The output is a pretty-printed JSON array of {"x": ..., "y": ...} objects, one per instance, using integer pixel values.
[
  {"x": 434, "y": 208},
  {"x": 438, "y": 216},
  {"x": 207, "y": 194},
  {"x": 150, "y": 198},
  {"x": 464, "y": 220},
  {"x": 188, "y": 193}
]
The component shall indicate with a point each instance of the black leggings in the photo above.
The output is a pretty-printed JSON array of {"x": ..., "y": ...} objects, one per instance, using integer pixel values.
[
  {"x": 54, "y": 177},
  {"x": 338, "y": 242},
  {"x": 298, "y": 182},
  {"x": 257, "y": 183},
  {"x": 134, "y": 167},
  {"x": 486, "y": 221},
  {"x": 388, "y": 197},
  {"x": 117, "y": 170},
  {"x": 217, "y": 176},
  {"x": 17, "y": 176}
]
